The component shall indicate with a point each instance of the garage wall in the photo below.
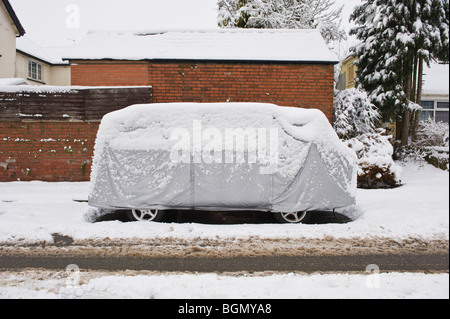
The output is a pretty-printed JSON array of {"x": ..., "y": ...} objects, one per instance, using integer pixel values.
[{"x": 287, "y": 84}]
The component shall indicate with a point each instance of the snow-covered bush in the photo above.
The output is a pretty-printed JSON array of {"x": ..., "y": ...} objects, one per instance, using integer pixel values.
[
  {"x": 354, "y": 114},
  {"x": 431, "y": 145},
  {"x": 431, "y": 133},
  {"x": 355, "y": 119},
  {"x": 376, "y": 168}
]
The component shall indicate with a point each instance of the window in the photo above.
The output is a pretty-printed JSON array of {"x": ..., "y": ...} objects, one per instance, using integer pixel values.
[
  {"x": 427, "y": 110},
  {"x": 34, "y": 71},
  {"x": 351, "y": 73},
  {"x": 435, "y": 110},
  {"x": 442, "y": 105}
]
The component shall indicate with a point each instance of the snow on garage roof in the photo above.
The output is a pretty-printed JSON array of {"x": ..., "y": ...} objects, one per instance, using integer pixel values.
[{"x": 216, "y": 45}]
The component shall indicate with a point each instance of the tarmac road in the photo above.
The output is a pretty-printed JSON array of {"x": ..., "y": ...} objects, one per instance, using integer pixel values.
[{"x": 307, "y": 264}]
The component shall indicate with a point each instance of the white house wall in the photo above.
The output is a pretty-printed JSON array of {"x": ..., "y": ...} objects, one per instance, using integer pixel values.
[
  {"x": 7, "y": 44},
  {"x": 59, "y": 75},
  {"x": 51, "y": 74}
]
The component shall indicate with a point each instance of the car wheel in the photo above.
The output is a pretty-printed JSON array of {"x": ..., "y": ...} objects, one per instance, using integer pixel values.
[
  {"x": 293, "y": 218},
  {"x": 148, "y": 215}
]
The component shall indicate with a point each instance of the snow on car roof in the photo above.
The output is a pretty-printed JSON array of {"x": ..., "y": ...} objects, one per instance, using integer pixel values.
[
  {"x": 308, "y": 125},
  {"x": 214, "y": 45}
]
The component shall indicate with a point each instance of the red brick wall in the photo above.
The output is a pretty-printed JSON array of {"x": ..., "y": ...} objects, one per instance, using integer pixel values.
[
  {"x": 110, "y": 74},
  {"x": 301, "y": 85},
  {"x": 46, "y": 151}
]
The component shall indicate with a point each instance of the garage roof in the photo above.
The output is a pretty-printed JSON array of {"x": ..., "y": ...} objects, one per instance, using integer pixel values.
[{"x": 216, "y": 45}]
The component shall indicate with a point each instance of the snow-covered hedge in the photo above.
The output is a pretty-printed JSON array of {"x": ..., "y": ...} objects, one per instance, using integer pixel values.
[
  {"x": 376, "y": 167},
  {"x": 431, "y": 145},
  {"x": 354, "y": 114},
  {"x": 355, "y": 119},
  {"x": 431, "y": 134}
]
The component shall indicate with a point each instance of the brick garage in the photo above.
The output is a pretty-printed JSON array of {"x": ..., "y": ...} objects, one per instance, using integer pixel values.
[
  {"x": 285, "y": 67},
  {"x": 288, "y": 84}
]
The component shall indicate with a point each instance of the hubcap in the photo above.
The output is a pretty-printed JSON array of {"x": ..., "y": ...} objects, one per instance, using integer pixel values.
[
  {"x": 144, "y": 214},
  {"x": 296, "y": 217}
]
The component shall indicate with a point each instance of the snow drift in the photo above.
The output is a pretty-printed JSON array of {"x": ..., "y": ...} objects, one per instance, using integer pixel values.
[{"x": 221, "y": 156}]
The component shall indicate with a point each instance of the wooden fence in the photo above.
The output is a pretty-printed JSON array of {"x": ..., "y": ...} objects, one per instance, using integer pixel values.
[{"x": 68, "y": 104}]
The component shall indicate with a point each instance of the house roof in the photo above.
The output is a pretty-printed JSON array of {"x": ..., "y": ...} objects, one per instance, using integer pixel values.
[
  {"x": 215, "y": 45},
  {"x": 436, "y": 79},
  {"x": 50, "y": 56},
  {"x": 14, "y": 17}
]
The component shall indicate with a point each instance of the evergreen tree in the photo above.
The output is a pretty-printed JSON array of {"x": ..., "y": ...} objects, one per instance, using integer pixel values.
[
  {"x": 443, "y": 51},
  {"x": 283, "y": 14},
  {"x": 397, "y": 38}
]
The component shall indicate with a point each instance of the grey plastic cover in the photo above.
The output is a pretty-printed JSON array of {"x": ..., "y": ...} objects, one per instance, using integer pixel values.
[{"x": 221, "y": 156}]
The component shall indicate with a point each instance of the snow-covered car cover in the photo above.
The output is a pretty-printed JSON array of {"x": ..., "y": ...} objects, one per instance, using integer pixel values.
[{"x": 221, "y": 156}]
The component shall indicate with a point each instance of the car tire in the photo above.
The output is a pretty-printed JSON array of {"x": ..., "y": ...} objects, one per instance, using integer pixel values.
[
  {"x": 293, "y": 218},
  {"x": 145, "y": 215}
]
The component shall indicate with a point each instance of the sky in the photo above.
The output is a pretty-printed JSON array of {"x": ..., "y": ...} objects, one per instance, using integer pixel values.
[{"x": 64, "y": 22}]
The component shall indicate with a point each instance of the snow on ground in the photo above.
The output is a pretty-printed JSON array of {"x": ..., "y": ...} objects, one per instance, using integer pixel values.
[
  {"x": 49, "y": 285},
  {"x": 31, "y": 211}
]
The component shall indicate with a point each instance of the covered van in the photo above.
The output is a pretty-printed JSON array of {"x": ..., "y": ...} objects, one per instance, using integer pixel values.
[{"x": 220, "y": 157}]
